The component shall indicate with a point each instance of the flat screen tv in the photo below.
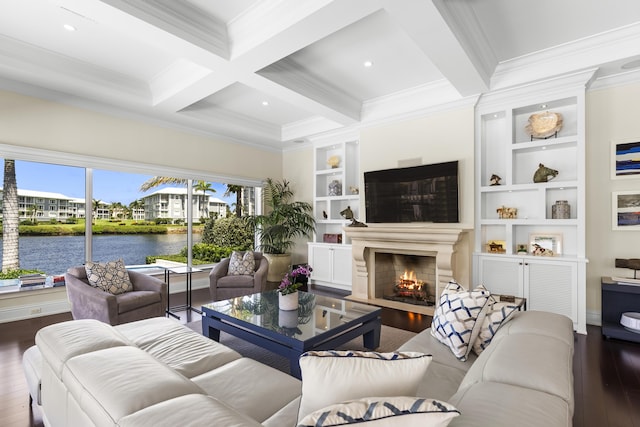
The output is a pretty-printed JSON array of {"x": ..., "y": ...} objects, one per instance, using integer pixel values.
[{"x": 426, "y": 193}]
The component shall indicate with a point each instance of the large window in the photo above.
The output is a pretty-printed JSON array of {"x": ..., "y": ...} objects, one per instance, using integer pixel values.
[{"x": 70, "y": 213}]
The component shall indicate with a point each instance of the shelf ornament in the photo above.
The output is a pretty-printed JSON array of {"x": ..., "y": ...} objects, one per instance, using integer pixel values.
[
  {"x": 333, "y": 161},
  {"x": 544, "y": 174},
  {"x": 495, "y": 179},
  {"x": 544, "y": 125}
]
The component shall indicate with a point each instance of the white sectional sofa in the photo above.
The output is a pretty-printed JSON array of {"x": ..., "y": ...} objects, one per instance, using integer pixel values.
[{"x": 156, "y": 372}]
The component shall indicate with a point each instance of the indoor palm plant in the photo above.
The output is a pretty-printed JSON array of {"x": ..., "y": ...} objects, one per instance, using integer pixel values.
[{"x": 283, "y": 221}]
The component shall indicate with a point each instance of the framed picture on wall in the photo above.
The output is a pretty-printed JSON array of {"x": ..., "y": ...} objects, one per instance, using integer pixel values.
[
  {"x": 625, "y": 159},
  {"x": 625, "y": 210}
]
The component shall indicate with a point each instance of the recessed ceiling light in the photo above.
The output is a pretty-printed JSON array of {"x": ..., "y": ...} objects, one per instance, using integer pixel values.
[
  {"x": 69, "y": 27},
  {"x": 265, "y": 103},
  {"x": 368, "y": 64},
  {"x": 631, "y": 65},
  {"x": 544, "y": 106}
]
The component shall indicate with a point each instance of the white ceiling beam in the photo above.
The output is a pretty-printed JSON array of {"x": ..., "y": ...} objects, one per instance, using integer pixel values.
[{"x": 427, "y": 26}]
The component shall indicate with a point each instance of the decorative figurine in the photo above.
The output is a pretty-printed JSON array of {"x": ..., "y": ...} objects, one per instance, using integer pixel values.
[
  {"x": 544, "y": 174},
  {"x": 324, "y": 214},
  {"x": 495, "y": 179},
  {"x": 507, "y": 213},
  {"x": 354, "y": 190},
  {"x": 540, "y": 251},
  {"x": 348, "y": 214},
  {"x": 522, "y": 248}
]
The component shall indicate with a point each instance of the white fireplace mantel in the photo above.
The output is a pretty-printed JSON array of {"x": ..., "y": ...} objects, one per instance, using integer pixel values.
[{"x": 448, "y": 243}]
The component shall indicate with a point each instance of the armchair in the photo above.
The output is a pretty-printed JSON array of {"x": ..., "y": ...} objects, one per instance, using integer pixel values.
[
  {"x": 147, "y": 299},
  {"x": 223, "y": 287}
]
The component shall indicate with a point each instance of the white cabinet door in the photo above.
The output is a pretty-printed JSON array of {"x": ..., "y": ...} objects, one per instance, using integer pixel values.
[
  {"x": 501, "y": 275},
  {"x": 547, "y": 284},
  {"x": 552, "y": 286},
  {"x": 331, "y": 265}
]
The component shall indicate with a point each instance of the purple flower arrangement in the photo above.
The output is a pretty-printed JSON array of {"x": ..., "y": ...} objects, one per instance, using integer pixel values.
[{"x": 288, "y": 285}]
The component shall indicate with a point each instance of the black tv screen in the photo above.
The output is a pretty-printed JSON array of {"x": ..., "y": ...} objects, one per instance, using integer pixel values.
[{"x": 427, "y": 193}]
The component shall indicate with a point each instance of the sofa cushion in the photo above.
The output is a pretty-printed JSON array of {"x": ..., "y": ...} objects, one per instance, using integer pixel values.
[
  {"x": 539, "y": 323},
  {"x": 250, "y": 387},
  {"x": 535, "y": 362},
  {"x": 111, "y": 276},
  {"x": 134, "y": 300},
  {"x": 458, "y": 317},
  {"x": 330, "y": 377},
  {"x": 241, "y": 264},
  {"x": 182, "y": 349},
  {"x": 192, "y": 410},
  {"x": 503, "y": 405},
  {"x": 115, "y": 382},
  {"x": 497, "y": 314},
  {"x": 382, "y": 411},
  {"x": 62, "y": 341}
]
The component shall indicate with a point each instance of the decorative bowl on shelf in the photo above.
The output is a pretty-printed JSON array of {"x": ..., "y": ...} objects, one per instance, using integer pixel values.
[
  {"x": 543, "y": 125},
  {"x": 333, "y": 161}
]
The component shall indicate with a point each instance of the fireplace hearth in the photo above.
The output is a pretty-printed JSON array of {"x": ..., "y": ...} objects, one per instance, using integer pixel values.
[{"x": 382, "y": 253}]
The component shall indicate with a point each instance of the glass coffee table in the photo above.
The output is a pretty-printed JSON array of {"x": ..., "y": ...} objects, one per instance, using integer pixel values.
[{"x": 319, "y": 323}]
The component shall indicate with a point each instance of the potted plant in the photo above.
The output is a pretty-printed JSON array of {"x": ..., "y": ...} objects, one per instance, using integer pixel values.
[{"x": 285, "y": 219}]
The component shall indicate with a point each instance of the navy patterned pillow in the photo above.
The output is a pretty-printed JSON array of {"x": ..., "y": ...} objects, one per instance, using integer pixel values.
[
  {"x": 458, "y": 317},
  {"x": 406, "y": 411}
]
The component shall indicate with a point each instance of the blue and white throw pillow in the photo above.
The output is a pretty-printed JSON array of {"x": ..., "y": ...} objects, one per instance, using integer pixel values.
[
  {"x": 111, "y": 276},
  {"x": 407, "y": 411},
  {"x": 458, "y": 317},
  {"x": 497, "y": 314},
  {"x": 330, "y": 377}
]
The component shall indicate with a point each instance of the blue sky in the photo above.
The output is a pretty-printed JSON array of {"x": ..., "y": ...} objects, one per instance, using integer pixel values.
[{"x": 108, "y": 186}]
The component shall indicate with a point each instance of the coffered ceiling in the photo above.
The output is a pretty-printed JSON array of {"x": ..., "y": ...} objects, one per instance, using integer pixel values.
[{"x": 274, "y": 73}]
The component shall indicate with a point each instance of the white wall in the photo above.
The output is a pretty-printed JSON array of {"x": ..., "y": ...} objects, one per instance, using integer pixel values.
[
  {"x": 35, "y": 123},
  {"x": 612, "y": 115},
  {"x": 298, "y": 169},
  {"x": 436, "y": 138}
]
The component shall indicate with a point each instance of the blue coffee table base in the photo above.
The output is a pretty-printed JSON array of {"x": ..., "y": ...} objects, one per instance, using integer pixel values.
[{"x": 367, "y": 326}]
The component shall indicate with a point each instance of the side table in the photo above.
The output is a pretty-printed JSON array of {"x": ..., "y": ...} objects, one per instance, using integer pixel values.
[
  {"x": 188, "y": 271},
  {"x": 618, "y": 298}
]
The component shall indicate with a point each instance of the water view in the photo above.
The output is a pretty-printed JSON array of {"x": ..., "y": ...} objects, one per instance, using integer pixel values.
[{"x": 54, "y": 254}]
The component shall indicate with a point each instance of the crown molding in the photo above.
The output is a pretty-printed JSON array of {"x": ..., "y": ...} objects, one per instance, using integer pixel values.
[
  {"x": 600, "y": 48},
  {"x": 622, "y": 79}
]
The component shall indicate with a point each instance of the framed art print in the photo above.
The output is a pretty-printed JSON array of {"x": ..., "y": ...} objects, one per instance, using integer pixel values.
[
  {"x": 625, "y": 210},
  {"x": 625, "y": 159},
  {"x": 548, "y": 244}
]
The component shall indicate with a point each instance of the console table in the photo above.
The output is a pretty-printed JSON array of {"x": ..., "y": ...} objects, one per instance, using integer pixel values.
[{"x": 618, "y": 298}]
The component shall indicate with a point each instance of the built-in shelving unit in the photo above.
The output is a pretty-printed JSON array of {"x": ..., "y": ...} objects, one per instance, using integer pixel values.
[
  {"x": 336, "y": 187},
  {"x": 505, "y": 149}
]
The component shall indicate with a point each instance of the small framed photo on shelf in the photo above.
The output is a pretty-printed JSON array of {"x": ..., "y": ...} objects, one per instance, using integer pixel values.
[
  {"x": 625, "y": 210},
  {"x": 625, "y": 159},
  {"x": 545, "y": 244},
  {"x": 496, "y": 246}
]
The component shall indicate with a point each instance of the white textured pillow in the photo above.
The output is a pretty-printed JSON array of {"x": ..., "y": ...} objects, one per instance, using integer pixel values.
[
  {"x": 383, "y": 411},
  {"x": 240, "y": 264},
  {"x": 111, "y": 276},
  {"x": 497, "y": 314},
  {"x": 458, "y": 317},
  {"x": 330, "y": 377}
]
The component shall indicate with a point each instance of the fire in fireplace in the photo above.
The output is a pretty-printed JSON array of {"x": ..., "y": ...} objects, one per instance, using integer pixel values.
[{"x": 409, "y": 289}]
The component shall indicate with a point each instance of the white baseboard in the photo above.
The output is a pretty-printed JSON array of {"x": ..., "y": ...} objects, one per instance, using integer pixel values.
[{"x": 594, "y": 318}]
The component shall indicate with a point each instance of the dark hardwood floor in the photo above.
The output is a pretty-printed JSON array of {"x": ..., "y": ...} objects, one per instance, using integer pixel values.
[{"x": 606, "y": 372}]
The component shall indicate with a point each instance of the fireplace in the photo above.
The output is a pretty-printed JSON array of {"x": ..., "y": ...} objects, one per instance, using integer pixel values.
[
  {"x": 405, "y": 278},
  {"x": 437, "y": 253}
]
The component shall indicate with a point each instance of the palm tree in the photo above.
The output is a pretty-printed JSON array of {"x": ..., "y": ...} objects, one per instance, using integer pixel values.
[
  {"x": 95, "y": 206},
  {"x": 32, "y": 211},
  {"x": 237, "y": 190},
  {"x": 134, "y": 206},
  {"x": 10, "y": 218}
]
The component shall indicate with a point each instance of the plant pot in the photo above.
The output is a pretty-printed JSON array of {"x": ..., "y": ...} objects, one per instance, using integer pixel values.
[
  {"x": 288, "y": 318},
  {"x": 288, "y": 302},
  {"x": 279, "y": 265}
]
